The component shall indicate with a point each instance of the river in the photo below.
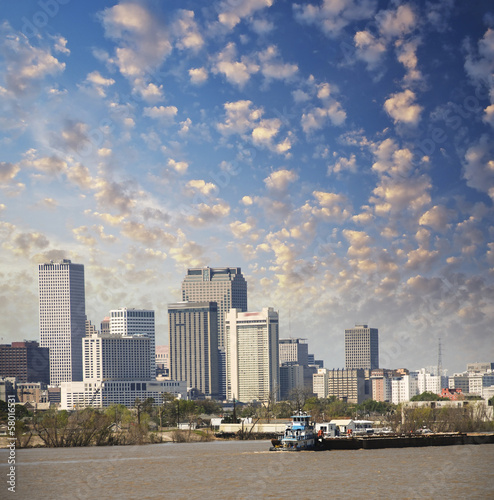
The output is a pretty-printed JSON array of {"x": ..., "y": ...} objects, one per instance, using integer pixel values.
[{"x": 246, "y": 469}]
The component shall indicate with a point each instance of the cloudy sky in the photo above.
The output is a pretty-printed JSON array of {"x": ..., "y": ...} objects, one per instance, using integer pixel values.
[{"x": 340, "y": 151}]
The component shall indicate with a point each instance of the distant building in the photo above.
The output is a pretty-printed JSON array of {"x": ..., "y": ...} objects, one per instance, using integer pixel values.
[
  {"x": 428, "y": 382},
  {"x": 404, "y": 387},
  {"x": 252, "y": 355},
  {"x": 362, "y": 348},
  {"x": 480, "y": 367},
  {"x": 294, "y": 351},
  {"x": 90, "y": 328},
  {"x": 117, "y": 357},
  {"x": 26, "y": 361},
  {"x": 228, "y": 288},
  {"x": 163, "y": 360},
  {"x": 291, "y": 379},
  {"x": 101, "y": 394},
  {"x": 452, "y": 394},
  {"x": 472, "y": 382},
  {"x": 62, "y": 318},
  {"x": 129, "y": 321},
  {"x": 347, "y": 385},
  {"x": 381, "y": 384},
  {"x": 105, "y": 325},
  {"x": 193, "y": 336},
  {"x": 33, "y": 392}
]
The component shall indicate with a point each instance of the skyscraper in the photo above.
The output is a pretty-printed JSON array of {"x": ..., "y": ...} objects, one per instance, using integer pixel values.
[
  {"x": 362, "y": 348},
  {"x": 193, "y": 328},
  {"x": 227, "y": 287},
  {"x": 127, "y": 321},
  {"x": 62, "y": 318},
  {"x": 252, "y": 355},
  {"x": 224, "y": 285}
]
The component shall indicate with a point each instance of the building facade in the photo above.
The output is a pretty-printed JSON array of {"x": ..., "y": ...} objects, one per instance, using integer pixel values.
[
  {"x": 163, "y": 360},
  {"x": 101, "y": 394},
  {"x": 252, "y": 355},
  {"x": 62, "y": 318},
  {"x": 347, "y": 385},
  {"x": 428, "y": 382},
  {"x": 129, "y": 321},
  {"x": 404, "y": 387},
  {"x": 294, "y": 351},
  {"x": 193, "y": 333},
  {"x": 362, "y": 348},
  {"x": 224, "y": 285},
  {"x": 26, "y": 361},
  {"x": 117, "y": 357}
]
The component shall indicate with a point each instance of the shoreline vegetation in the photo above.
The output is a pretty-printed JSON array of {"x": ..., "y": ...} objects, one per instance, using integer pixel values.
[{"x": 146, "y": 423}]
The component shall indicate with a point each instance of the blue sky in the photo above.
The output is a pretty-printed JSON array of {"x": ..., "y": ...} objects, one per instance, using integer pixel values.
[{"x": 341, "y": 152}]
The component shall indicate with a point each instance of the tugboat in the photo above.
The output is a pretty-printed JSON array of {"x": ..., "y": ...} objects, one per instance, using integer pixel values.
[{"x": 299, "y": 435}]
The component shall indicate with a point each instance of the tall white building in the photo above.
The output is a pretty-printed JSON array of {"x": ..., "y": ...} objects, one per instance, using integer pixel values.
[
  {"x": 62, "y": 318},
  {"x": 362, "y": 347},
  {"x": 252, "y": 355},
  {"x": 427, "y": 382},
  {"x": 403, "y": 388},
  {"x": 193, "y": 329},
  {"x": 127, "y": 321},
  {"x": 117, "y": 357}
]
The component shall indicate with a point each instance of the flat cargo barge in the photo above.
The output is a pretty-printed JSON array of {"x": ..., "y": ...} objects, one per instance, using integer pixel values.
[{"x": 404, "y": 441}]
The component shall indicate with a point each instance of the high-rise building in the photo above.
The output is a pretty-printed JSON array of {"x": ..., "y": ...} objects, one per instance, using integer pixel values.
[
  {"x": 62, "y": 318},
  {"x": 127, "y": 321},
  {"x": 193, "y": 328},
  {"x": 294, "y": 351},
  {"x": 117, "y": 357},
  {"x": 252, "y": 355},
  {"x": 224, "y": 285},
  {"x": 26, "y": 361},
  {"x": 362, "y": 348},
  {"x": 227, "y": 287}
]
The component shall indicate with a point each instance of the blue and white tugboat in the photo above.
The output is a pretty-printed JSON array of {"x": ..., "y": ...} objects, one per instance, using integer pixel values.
[{"x": 299, "y": 435}]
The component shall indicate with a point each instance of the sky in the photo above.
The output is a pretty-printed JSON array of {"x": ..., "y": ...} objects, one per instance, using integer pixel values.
[{"x": 341, "y": 152}]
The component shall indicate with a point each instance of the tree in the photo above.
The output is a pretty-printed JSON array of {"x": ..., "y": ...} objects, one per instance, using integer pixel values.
[{"x": 427, "y": 396}]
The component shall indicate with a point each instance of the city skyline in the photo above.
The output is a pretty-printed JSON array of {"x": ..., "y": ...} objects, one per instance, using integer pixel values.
[{"x": 346, "y": 170}]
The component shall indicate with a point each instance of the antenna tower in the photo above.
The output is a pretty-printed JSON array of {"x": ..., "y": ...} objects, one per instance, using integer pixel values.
[{"x": 439, "y": 358}]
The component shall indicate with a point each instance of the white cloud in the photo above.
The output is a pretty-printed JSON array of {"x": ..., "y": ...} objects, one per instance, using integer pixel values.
[
  {"x": 438, "y": 218},
  {"x": 317, "y": 117},
  {"x": 25, "y": 64},
  {"x": 369, "y": 49},
  {"x": 179, "y": 166},
  {"x": 198, "y": 75},
  {"x": 98, "y": 82},
  {"x": 280, "y": 179},
  {"x": 273, "y": 68},
  {"x": 479, "y": 166},
  {"x": 144, "y": 42},
  {"x": 231, "y": 13},
  {"x": 201, "y": 186},
  {"x": 333, "y": 16},
  {"x": 163, "y": 113},
  {"x": 396, "y": 23},
  {"x": 235, "y": 72},
  {"x": 402, "y": 108},
  {"x": 186, "y": 30},
  {"x": 8, "y": 171}
]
